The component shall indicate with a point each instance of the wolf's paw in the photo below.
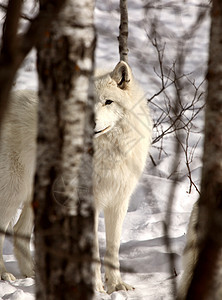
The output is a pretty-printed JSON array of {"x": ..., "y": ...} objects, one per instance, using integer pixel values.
[
  {"x": 29, "y": 273},
  {"x": 99, "y": 286},
  {"x": 112, "y": 287},
  {"x": 7, "y": 276},
  {"x": 27, "y": 268}
]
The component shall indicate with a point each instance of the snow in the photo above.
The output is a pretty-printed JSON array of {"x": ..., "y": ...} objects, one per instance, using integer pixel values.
[{"x": 144, "y": 257}]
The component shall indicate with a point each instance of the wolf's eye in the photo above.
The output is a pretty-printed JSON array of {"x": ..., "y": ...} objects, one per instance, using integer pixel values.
[{"x": 108, "y": 102}]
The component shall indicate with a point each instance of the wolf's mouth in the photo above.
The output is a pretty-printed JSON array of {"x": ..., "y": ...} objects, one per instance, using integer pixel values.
[{"x": 100, "y": 131}]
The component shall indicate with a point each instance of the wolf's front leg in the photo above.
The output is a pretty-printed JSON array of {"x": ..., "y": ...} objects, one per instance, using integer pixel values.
[
  {"x": 113, "y": 221},
  {"x": 97, "y": 265},
  {"x": 7, "y": 211},
  {"x": 4, "y": 275},
  {"x": 22, "y": 235}
]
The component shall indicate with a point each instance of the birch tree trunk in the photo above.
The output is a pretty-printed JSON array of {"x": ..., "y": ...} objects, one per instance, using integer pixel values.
[
  {"x": 205, "y": 281},
  {"x": 63, "y": 183}
]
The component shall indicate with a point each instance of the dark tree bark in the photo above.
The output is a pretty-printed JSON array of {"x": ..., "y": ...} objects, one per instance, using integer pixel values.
[
  {"x": 63, "y": 183},
  {"x": 15, "y": 47},
  {"x": 209, "y": 229},
  {"x": 123, "y": 31}
]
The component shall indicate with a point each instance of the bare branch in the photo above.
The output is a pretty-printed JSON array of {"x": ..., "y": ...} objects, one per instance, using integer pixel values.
[
  {"x": 123, "y": 31},
  {"x": 10, "y": 28},
  {"x": 23, "y": 16}
]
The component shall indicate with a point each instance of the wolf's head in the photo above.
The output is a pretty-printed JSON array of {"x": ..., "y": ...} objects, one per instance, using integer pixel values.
[{"x": 112, "y": 97}]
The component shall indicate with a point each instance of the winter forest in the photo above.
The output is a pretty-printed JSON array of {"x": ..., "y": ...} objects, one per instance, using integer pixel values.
[{"x": 175, "y": 52}]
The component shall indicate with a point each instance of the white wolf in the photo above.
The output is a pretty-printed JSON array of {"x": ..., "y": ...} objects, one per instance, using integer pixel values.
[
  {"x": 17, "y": 165},
  {"x": 122, "y": 138},
  {"x": 190, "y": 257}
]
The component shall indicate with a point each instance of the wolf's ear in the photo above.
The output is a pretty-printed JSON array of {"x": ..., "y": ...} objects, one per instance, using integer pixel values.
[{"x": 122, "y": 75}]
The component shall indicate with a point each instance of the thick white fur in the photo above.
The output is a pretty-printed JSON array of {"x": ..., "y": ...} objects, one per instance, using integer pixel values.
[
  {"x": 119, "y": 159},
  {"x": 190, "y": 257},
  {"x": 17, "y": 163},
  {"x": 190, "y": 254},
  {"x": 123, "y": 135}
]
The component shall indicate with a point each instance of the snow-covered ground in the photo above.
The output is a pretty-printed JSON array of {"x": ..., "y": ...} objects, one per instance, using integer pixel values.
[{"x": 143, "y": 254}]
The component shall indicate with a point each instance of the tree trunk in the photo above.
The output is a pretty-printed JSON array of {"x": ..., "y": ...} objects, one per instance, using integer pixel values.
[
  {"x": 209, "y": 227},
  {"x": 123, "y": 31},
  {"x": 63, "y": 184},
  {"x": 15, "y": 46}
]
